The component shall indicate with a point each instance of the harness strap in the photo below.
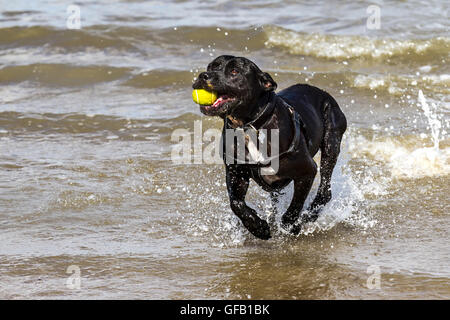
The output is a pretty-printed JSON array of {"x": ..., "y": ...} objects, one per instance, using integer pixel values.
[
  {"x": 261, "y": 116},
  {"x": 298, "y": 125}
]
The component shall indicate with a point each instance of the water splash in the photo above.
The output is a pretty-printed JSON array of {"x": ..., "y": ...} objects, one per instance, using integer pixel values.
[
  {"x": 209, "y": 215},
  {"x": 426, "y": 161},
  {"x": 408, "y": 156},
  {"x": 348, "y": 204},
  {"x": 433, "y": 121}
]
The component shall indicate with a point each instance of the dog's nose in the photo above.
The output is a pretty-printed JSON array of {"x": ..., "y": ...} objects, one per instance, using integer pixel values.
[{"x": 204, "y": 76}]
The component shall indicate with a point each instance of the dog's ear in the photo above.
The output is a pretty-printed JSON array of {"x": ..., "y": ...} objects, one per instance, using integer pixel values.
[{"x": 266, "y": 81}]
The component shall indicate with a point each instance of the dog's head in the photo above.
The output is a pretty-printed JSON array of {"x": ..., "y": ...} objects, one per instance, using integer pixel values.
[{"x": 238, "y": 82}]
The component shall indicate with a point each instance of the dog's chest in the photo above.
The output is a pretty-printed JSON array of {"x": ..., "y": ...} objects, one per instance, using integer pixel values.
[
  {"x": 249, "y": 146},
  {"x": 269, "y": 182}
]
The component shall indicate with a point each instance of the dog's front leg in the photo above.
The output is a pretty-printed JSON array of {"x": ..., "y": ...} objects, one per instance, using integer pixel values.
[{"x": 237, "y": 185}]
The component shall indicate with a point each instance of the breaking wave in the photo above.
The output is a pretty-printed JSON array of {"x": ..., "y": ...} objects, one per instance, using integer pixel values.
[{"x": 348, "y": 47}]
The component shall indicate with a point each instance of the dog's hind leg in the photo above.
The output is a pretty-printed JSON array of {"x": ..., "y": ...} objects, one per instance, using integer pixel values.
[
  {"x": 302, "y": 186},
  {"x": 335, "y": 125},
  {"x": 306, "y": 170}
]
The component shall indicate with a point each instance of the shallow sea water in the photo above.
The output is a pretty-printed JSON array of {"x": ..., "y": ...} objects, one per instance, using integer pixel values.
[{"x": 86, "y": 177}]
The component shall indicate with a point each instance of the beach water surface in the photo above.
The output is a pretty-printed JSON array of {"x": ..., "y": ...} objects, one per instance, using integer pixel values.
[{"x": 92, "y": 205}]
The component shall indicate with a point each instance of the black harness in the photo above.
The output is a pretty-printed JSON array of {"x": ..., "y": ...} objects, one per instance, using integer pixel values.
[{"x": 254, "y": 124}]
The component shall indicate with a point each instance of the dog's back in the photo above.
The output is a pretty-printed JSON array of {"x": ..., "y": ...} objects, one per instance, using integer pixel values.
[{"x": 311, "y": 104}]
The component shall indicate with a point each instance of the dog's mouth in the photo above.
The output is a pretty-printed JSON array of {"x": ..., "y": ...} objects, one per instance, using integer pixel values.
[{"x": 219, "y": 106}]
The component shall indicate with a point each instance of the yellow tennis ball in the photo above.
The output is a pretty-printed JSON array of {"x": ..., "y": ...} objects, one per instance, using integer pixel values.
[{"x": 203, "y": 97}]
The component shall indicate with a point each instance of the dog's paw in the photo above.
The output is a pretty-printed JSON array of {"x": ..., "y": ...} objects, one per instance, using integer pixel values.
[
  {"x": 259, "y": 228},
  {"x": 311, "y": 216},
  {"x": 319, "y": 202},
  {"x": 262, "y": 231},
  {"x": 294, "y": 228}
]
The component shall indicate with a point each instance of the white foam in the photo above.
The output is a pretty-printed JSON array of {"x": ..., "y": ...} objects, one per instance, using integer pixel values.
[
  {"x": 404, "y": 156},
  {"x": 399, "y": 84},
  {"x": 339, "y": 46}
]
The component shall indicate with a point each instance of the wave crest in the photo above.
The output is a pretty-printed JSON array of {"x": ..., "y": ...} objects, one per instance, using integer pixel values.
[{"x": 348, "y": 47}]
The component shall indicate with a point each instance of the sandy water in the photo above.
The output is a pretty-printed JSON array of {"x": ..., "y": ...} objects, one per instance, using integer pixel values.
[{"x": 86, "y": 177}]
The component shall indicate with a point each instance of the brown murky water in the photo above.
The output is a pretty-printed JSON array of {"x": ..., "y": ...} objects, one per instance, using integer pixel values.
[{"x": 86, "y": 177}]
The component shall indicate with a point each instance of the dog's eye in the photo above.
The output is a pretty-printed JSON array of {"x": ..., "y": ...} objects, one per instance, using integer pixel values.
[{"x": 234, "y": 72}]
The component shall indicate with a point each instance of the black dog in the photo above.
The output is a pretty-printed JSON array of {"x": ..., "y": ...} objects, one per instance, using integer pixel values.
[{"x": 308, "y": 119}]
